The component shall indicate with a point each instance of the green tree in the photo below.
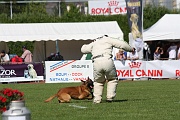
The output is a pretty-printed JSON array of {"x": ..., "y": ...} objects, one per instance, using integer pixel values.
[
  {"x": 36, "y": 13},
  {"x": 151, "y": 14},
  {"x": 32, "y": 13}
]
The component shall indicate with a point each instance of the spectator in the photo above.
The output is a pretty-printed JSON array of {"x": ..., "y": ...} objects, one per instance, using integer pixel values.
[
  {"x": 120, "y": 55},
  {"x": 158, "y": 53},
  {"x": 27, "y": 55},
  {"x": 165, "y": 46},
  {"x": 172, "y": 51},
  {"x": 132, "y": 55},
  {"x": 178, "y": 54},
  {"x": 54, "y": 57},
  {"x": 4, "y": 57}
]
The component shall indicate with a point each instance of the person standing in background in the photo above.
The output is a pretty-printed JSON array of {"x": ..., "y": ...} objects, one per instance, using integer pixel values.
[
  {"x": 121, "y": 56},
  {"x": 27, "y": 55},
  {"x": 178, "y": 53},
  {"x": 158, "y": 53},
  {"x": 132, "y": 56},
  {"x": 4, "y": 57},
  {"x": 172, "y": 51}
]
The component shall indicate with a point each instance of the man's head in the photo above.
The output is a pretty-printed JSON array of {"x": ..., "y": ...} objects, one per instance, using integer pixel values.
[
  {"x": 121, "y": 51},
  {"x": 2, "y": 53},
  {"x": 134, "y": 50},
  {"x": 24, "y": 48}
]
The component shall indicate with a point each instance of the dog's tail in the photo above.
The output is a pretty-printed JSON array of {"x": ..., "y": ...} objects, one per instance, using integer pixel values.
[{"x": 52, "y": 97}]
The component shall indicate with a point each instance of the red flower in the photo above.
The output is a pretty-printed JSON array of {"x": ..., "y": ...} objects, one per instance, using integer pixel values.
[
  {"x": 3, "y": 100},
  {"x": 1, "y": 97},
  {"x": 7, "y": 95},
  {"x": 3, "y": 109}
]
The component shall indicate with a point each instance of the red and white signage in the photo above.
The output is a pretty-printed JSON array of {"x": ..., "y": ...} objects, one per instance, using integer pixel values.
[
  {"x": 152, "y": 69},
  {"x": 76, "y": 70},
  {"x": 107, "y": 7},
  {"x": 68, "y": 71}
]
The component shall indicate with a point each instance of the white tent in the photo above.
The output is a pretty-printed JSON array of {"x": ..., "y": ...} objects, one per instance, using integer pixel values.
[
  {"x": 167, "y": 28},
  {"x": 71, "y": 36}
]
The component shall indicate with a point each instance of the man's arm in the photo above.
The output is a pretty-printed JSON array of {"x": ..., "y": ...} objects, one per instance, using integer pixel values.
[
  {"x": 121, "y": 44},
  {"x": 87, "y": 48}
]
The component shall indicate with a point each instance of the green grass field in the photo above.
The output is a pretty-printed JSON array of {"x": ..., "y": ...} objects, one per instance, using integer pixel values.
[{"x": 137, "y": 100}]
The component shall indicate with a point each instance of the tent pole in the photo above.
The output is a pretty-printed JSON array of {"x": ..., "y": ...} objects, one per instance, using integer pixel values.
[
  {"x": 59, "y": 9},
  {"x": 57, "y": 47},
  {"x": 11, "y": 9},
  {"x": 44, "y": 49}
]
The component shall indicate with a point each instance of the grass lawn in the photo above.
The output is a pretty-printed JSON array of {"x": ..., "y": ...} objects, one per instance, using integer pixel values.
[{"x": 137, "y": 100}]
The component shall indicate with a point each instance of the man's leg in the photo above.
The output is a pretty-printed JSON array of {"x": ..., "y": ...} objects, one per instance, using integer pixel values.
[
  {"x": 111, "y": 89},
  {"x": 98, "y": 91}
]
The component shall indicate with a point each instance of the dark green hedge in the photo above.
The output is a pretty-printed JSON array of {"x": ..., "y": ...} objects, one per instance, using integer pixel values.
[{"x": 36, "y": 13}]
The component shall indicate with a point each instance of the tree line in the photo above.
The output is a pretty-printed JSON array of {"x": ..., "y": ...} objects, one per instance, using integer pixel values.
[{"x": 36, "y": 13}]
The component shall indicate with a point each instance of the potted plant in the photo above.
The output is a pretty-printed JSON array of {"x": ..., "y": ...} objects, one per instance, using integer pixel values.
[{"x": 7, "y": 95}]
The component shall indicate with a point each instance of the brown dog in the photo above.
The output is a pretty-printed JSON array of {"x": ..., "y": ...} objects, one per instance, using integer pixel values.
[{"x": 83, "y": 91}]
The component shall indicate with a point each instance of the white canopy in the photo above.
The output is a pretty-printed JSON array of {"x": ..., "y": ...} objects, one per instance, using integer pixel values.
[
  {"x": 167, "y": 28},
  {"x": 70, "y": 36},
  {"x": 60, "y": 31}
]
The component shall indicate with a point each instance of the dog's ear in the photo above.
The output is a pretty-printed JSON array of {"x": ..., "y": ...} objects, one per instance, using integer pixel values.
[{"x": 83, "y": 82}]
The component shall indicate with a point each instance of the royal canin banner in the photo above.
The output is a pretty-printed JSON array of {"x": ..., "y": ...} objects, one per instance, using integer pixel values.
[
  {"x": 151, "y": 69},
  {"x": 107, "y": 7},
  {"x": 68, "y": 71}
]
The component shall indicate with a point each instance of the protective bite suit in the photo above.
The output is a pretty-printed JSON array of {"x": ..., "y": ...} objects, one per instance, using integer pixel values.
[{"x": 103, "y": 66}]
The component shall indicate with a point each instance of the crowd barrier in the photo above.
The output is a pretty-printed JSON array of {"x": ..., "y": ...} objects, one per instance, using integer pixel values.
[{"x": 77, "y": 70}]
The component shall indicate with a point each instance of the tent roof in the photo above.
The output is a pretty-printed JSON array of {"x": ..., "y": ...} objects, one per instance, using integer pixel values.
[
  {"x": 167, "y": 28},
  {"x": 60, "y": 31}
]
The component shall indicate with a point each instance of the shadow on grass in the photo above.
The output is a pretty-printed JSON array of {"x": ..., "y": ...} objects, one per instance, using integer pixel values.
[
  {"x": 120, "y": 100},
  {"x": 103, "y": 101}
]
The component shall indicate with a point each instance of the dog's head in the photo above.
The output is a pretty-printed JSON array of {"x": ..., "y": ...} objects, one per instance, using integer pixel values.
[
  {"x": 30, "y": 66},
  {"x": 134, "y": 18},
  {"x": 88, "y": 83}
]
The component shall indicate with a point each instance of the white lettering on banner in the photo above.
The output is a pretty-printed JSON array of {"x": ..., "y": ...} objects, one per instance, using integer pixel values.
[
  {"x": 7, "y": 72},
  {"x": 2, "y": 76}
]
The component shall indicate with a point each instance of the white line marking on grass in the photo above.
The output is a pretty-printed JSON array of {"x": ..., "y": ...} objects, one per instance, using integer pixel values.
[
  {"x": 177, "y": 102},
  {"x": 76, "y": 106}
]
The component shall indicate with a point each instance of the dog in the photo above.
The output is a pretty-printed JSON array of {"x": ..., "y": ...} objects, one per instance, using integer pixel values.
[
  {"x": 81, "y": 92},
  {"x": 31, "y": 71}
]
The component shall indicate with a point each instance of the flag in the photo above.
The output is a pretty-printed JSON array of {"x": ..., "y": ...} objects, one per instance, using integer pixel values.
[{"x": 134, "y": 12}]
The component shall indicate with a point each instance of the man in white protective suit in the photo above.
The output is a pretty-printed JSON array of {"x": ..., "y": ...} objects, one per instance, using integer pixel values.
[{"x": 103, "y": 65}]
